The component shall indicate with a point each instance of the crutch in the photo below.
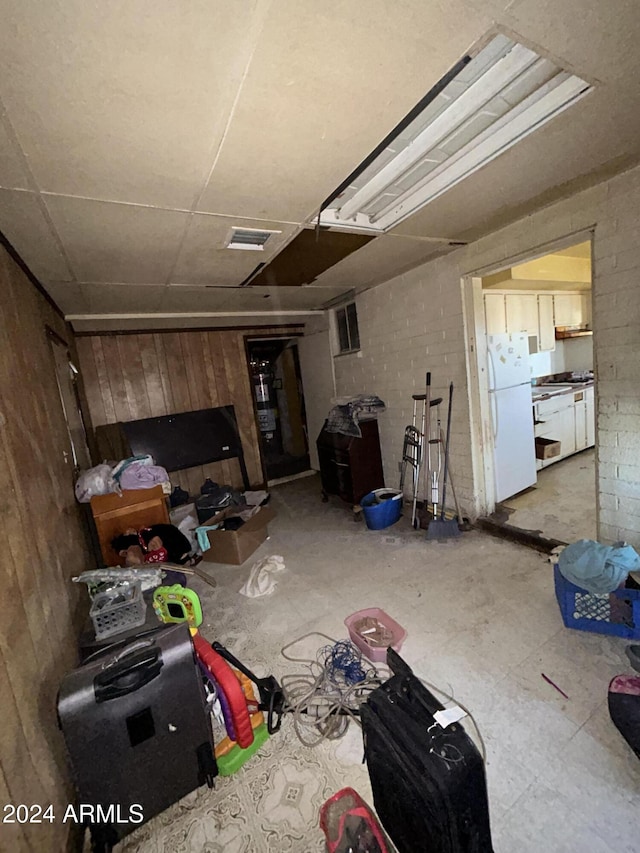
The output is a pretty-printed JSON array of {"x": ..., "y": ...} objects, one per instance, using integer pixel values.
[{"x": 412, "y": 452}]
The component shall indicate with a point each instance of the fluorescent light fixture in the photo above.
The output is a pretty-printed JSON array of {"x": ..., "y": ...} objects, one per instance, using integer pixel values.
[{"x": 499, "y": 97}]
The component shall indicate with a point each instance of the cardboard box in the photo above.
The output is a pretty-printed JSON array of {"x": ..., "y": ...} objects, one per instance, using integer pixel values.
[
  {"x": 547, "y": 448},
  {"x": 236, "y": 546}
]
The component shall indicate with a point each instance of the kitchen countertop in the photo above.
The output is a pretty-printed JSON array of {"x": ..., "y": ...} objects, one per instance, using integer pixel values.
[{"x": 545, "y": 392}]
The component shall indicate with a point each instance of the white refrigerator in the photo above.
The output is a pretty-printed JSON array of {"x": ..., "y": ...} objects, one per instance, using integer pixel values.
[{"x": 514, "y": 456}]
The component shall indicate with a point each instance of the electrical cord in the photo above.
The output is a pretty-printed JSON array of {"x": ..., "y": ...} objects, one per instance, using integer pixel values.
[{"x": 329, "y": 694}]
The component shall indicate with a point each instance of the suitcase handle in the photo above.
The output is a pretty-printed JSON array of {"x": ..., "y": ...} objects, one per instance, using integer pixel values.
[{"x": 128, "y": 674}]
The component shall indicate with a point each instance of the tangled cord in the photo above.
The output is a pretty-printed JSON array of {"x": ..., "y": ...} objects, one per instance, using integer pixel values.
[{"x": 324, "y": 699}]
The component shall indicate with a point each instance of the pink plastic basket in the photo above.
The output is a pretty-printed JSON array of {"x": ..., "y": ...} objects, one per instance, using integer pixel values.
[{"x": 376, "y": 654}]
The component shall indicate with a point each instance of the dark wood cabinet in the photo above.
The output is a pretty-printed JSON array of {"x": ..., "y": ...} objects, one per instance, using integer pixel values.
[{"x": 349, "y": 466}]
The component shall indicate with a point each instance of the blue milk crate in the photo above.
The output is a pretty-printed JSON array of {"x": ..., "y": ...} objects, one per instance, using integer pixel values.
[{"x": 616, "y": 613}]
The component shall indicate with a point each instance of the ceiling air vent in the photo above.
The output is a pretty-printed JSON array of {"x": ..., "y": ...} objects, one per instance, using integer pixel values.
[{"x": 250, "y": 239}]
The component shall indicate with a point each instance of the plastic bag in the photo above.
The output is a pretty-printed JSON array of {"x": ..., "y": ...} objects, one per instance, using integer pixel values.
[
  {"x": 261, "y": 580},
  {"x": 95, "y": 481}
]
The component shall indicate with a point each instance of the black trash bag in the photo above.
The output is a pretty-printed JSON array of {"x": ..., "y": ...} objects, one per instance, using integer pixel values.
[
  {"x": 209, "y": 487},
  {"x": 178, "y": 497},
  {"x": 219, "y": 498}
]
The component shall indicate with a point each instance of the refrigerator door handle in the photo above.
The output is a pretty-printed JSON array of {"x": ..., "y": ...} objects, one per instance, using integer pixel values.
[
  {"x": 494, "y": 418},
  {"x": 492, "y": 370}
]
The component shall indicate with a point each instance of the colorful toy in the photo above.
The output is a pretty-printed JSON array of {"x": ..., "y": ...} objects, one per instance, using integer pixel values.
[
  {"x": 229, "y": 686},
  {"x": 233, "y": 760},
  {"x": 177, "y": 604},
  {"x": 257, "y": 718}
]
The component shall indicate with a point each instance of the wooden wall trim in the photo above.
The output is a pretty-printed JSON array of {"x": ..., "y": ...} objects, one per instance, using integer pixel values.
[{"x": 285, "y": 327}]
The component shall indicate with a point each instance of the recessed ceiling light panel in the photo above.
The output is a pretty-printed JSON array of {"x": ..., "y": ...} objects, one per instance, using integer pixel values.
[{"x": 495, "y": 99}]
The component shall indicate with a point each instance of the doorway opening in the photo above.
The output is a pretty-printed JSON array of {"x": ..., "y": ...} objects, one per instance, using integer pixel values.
[
  {"x": 536, "y": 393},
  {"x": 276, "y": 381}
]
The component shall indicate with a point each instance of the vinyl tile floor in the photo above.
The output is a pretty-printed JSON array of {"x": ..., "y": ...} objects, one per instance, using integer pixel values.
[
  {"x": 483, "y": 624},
  {"x": 562, "y": 504}
]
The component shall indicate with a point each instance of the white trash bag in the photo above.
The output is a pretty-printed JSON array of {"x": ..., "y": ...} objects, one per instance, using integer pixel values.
[
  {"x": 95, "y": 481},
  {"x": 261, "y": 580}
]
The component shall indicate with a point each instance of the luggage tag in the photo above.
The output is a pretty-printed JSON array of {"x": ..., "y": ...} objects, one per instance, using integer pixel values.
[{"x": 449, "y": 716}]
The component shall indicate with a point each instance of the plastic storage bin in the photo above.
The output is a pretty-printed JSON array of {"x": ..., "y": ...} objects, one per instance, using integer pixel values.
[
  {"x": 118, "y": 610},
  {"x": 380, "y": 512},
  {"x": 375, "y": 654},
  {"x": 616, "y": 613}
]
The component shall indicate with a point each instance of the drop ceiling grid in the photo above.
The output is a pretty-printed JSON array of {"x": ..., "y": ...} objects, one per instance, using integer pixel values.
[{"x": 121, "y": 114}]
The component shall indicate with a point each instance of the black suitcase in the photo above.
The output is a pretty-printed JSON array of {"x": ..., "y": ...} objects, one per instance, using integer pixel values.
[
  {"x": 428, "y": 782},
  {"x": 137, "y": 731}
]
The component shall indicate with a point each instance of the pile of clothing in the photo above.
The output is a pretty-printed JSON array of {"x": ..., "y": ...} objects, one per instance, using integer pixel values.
[{"x": 346, "y": 413}]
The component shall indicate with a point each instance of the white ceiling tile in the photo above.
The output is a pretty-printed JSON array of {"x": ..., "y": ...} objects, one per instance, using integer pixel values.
[
  {"x": 24, "y": 224},
  {"x": 247, "y": 298},
  {"x": 13, "y": 174},
  {"x": 379, "y": 260},
  {"x": 117, "y": 242},
  {"x": 204, "y": 260},
  {"x": 121, "y": 298},
  {"x": 325, "y": 85},
  {"x": 69, "y": 296},
  {"x": 124, "y": 102}
]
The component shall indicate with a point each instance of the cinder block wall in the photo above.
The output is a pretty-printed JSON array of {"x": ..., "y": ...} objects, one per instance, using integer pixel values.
[{"x": 415, "y": 322}]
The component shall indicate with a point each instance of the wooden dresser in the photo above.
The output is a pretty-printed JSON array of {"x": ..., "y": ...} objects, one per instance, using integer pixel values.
[{"x": 350, "y": 467}]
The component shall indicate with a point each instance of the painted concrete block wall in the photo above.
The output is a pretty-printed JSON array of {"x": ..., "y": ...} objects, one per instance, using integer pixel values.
[{"x": 415, "y": 322}]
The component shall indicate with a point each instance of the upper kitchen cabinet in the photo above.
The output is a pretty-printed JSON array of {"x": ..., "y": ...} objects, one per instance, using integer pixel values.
[
  {"x": 522, "y": 313},
  {"x": 495, "y": 313},
  {"x": 568, "y": 309},
  {"x": 547, "y": 332},
  {"x": 586, "y": 309}
]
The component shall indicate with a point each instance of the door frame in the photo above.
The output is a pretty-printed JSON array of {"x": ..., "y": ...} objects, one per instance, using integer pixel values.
[
  {"x": 482, "y": 446},
  {"x": 55, "y": 340},
  {"x": 256, "y": 338}
]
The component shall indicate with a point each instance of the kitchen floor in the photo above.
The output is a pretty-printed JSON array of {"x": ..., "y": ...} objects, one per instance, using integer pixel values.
[
  {"x": 562, "y": 505},
  {"x": 482, "y": 623}
]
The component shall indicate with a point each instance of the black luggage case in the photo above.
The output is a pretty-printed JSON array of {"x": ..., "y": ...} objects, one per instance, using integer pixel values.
[
  {"x": 428, "y": 783},
  {"x": 137, "y": 731}
]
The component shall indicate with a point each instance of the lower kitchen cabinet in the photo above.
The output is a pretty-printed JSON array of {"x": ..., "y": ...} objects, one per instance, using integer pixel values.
[{"x": 567, "y": 418}]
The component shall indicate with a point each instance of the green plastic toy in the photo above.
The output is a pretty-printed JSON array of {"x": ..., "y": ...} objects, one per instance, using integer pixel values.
[
  {"x": 177, "y": 604},
  {"x": 236, "y": 757}
]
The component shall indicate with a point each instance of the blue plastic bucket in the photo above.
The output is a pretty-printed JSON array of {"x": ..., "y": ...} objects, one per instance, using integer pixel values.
[{"x": 379, "y": 514}]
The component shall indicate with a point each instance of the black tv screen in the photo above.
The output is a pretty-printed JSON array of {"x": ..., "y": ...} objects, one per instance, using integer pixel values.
[{"x": 188, "y": 439}]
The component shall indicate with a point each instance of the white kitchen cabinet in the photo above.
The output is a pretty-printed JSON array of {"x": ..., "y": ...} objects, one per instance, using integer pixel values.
[
  {"x": 522, "y": 313},
  {"x": 586, "y": 309},
  {"x": 547, "y": 332},
  {"x": 495, "y": 313},
  {"x": 567, "y": 418},
  {"x": 568, "y": 309},
  {"x": 590, "y": 414},
  {"x": 580, "y": 410}
]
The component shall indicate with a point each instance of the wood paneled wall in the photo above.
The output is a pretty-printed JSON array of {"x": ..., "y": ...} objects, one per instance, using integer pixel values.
[
  {"x": 127, "y": 377},
  {"x": 43, "y": 546}
]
